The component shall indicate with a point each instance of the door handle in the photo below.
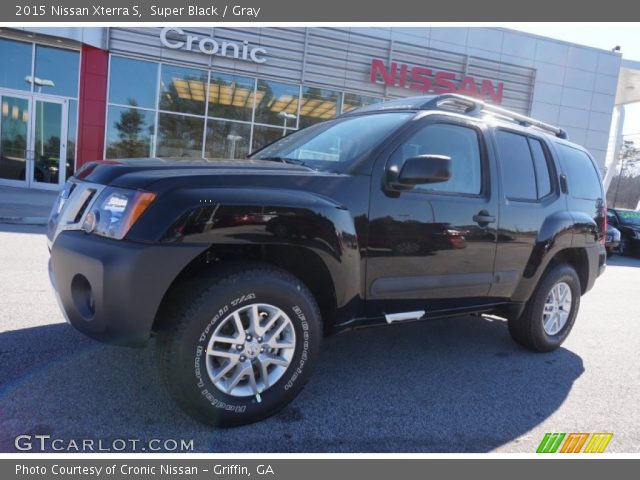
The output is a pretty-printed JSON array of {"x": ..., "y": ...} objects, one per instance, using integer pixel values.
[{"x": 483, "y": 218}]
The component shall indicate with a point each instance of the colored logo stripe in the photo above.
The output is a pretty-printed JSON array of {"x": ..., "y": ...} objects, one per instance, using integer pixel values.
[
  {"x": 598, "y": 442},
  {"x": 574, "y": 442},
  {"x": 550, "y": 443}
]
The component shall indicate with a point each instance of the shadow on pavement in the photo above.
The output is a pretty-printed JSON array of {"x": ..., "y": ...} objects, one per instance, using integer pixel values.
[
  {"x": 623, "y": 261},
  {"x": 455, "y": 385}
]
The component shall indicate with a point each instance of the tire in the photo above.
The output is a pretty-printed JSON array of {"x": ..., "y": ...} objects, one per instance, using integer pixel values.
[
  {"x": 623, "y": 246},
  {"x": 610, "y": 252},
  {"x": 529, "y": 330},
  {"x": 207, "y": 307}
]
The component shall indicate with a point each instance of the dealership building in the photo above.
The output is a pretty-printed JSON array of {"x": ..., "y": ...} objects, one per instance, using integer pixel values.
[{"x": 72, "y": 95}]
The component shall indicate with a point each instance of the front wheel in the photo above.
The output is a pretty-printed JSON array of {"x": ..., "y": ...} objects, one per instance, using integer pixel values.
[
  {"x": 623, "y": 246},
  {"x": 242, "y": 347},
  {"x": 551, "y": 311}
]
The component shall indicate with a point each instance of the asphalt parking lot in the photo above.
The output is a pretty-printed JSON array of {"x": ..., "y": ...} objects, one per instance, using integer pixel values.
[{"x": 456, "y": 385}]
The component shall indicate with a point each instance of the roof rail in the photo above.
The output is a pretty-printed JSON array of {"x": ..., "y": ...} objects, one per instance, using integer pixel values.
[{"x": 472, "y": 106}]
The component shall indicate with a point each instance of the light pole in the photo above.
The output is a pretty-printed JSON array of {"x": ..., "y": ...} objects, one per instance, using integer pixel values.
[
  {"x": 40, "y": 82},
  {"x": 233, "y": 139},
  {"x": 286, "y": 116}
]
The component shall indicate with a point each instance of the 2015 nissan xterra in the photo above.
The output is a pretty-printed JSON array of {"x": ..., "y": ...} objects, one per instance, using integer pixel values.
[{"x": 417, "y": 208}]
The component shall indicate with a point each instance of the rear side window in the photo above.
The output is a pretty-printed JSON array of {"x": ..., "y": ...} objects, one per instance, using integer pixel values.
[
  {"x": 582, "y": 177},
  {"x": 543, "y": 178},
  {"x": 524, "y": 166}
]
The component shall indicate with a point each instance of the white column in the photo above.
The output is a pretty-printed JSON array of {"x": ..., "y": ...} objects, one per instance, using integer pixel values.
[{"x": 612, "y": 160}]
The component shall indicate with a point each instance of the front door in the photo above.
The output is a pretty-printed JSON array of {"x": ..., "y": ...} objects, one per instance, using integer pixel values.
[
  {"x": 48, "y": 152},
  {"x": 433, "y": 247},
  {"x": 33, "y": 133}
]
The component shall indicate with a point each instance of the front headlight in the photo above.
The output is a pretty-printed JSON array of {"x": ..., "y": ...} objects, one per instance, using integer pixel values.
[{"x": 115, "y": 212}]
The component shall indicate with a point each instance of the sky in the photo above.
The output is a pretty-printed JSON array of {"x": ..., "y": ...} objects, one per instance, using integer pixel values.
[{"x": 606, "y": 37}]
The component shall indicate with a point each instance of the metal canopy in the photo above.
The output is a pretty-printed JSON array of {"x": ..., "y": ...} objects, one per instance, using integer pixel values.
[{"x": 628, "y": 83}]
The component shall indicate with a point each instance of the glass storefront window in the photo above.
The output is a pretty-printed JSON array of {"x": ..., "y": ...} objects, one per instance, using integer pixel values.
[
  {"x": 56, "y": 71},
  {"x": 231, "y": 96},
  {"x": 15, "y": 58},
  {"x": 318, "y": 104},
  {"x": 351, "y": 101},
  {"x": 221, "y": 114},
  {"x": 182, "y": 90},
  {"x": 129, "y": 132},
  {"x": 277, "y": 103},
  {"x": 72, "y": 130},
  {"x": 179, "y": 136},
  {"x": 263, "y": 135},
  {"x": 132, "y": 82},
  {"x": 14, "y": 124},
  {"x": 227, "y": 139}
]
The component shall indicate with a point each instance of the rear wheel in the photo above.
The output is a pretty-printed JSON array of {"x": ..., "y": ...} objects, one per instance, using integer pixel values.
[
  {"x": 241, "y": 347},
  {"x": 551, "y": 311}
]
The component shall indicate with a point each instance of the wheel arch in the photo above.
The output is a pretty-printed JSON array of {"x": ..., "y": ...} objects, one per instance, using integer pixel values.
[{"x": 303, "y": 263}]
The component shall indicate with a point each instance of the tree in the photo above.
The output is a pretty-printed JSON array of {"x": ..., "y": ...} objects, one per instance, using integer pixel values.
[
  {"x": 132, "y": 142},
  {"x": 624, "y": 191}
]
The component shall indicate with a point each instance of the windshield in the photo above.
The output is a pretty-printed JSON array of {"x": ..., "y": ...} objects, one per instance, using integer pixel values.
[
  {"x": 340, "y": 140},
  {"x": 629, "y": 217}
]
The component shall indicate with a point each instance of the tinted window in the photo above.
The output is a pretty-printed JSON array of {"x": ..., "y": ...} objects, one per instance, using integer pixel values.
[
  {"x": 227, "y": 139},
  {"x": 125, "y": 91},
  {"x": 15, "y": 58},
  {"x": 543, "y": 178},
  {"x": 179, "y": 136},
  {"x": 458, "y": 143},
  {"x": 182, "y": 89},
  {"x": 231, "y": 97},
  {"x": 277, "y": 104},
  {"x": 317, "y": 105},
  {"x": 518, "y": 174},
  {"x": 341, "y": 140},
  {"x": 129, "y": 132},
  {"x": 351, "y": 101},
  {"x": 263, "y": 135},
  {"x": 629, "y": 217},
  {"x": 582, "y": 178},
  {"x": 56, "y": 71}
]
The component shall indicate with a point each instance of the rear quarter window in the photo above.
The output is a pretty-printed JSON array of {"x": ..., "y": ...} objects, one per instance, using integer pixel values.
[{"x": 583, "y": 179}]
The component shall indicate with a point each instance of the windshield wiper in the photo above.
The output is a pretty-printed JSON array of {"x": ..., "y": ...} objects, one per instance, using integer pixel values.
[{"x": 291, "y": 161}]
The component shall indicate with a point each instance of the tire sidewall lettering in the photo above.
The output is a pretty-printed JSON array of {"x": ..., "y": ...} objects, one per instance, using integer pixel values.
[{"x": 203, "y": 383}]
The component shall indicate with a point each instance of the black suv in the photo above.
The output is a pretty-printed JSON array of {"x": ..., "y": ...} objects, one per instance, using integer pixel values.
[{"x": 412, "y": 209}]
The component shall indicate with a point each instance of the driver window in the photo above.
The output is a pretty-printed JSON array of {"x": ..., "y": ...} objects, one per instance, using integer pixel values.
[{"x": 455, "y": 141}]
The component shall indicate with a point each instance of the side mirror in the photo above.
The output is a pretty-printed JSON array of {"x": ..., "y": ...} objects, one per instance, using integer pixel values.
[{"x": 420, "y": 169}]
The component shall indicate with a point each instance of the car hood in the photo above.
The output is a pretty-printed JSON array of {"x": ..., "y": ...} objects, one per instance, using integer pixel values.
[{"x": 143, "y": 172}]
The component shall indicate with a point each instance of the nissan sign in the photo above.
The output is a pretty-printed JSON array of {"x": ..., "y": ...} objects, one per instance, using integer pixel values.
[
  {"x": 425, "y": 79},
  {"x": 175, "y": 38}
]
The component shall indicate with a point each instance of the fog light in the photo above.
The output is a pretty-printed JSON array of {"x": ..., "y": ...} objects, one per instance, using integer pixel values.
[
  {"x": 90, "y": 222},
  {"x": 82, "y": 296}
]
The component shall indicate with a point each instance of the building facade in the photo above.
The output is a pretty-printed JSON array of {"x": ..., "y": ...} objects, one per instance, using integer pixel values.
[{"x": 73, "y": 95}]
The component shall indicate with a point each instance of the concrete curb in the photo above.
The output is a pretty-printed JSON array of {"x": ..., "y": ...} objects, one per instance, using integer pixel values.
[{"x": 24, "y": 220}]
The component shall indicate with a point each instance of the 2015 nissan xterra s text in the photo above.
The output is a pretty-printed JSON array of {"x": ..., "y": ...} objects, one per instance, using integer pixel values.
[{"x": 417, "y": 208}]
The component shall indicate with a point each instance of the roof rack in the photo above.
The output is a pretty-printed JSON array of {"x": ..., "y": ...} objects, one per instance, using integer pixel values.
[{"x": 472, "y": 106}]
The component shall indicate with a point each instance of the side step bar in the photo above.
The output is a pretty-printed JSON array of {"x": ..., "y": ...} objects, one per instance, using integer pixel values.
[{"x": 401, "y": 317}]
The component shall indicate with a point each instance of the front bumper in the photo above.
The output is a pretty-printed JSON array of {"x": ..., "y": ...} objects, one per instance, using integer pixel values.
[{"x": 111, "y": 289}]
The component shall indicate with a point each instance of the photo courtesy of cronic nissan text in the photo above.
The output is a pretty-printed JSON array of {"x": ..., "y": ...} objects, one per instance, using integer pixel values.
[{"x": 228, "y": 234}]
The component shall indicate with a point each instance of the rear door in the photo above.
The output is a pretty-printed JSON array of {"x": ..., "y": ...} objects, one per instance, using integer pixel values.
[
  {"x": 432, "y": 248},
  {"x": 530, "y": 195}
]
